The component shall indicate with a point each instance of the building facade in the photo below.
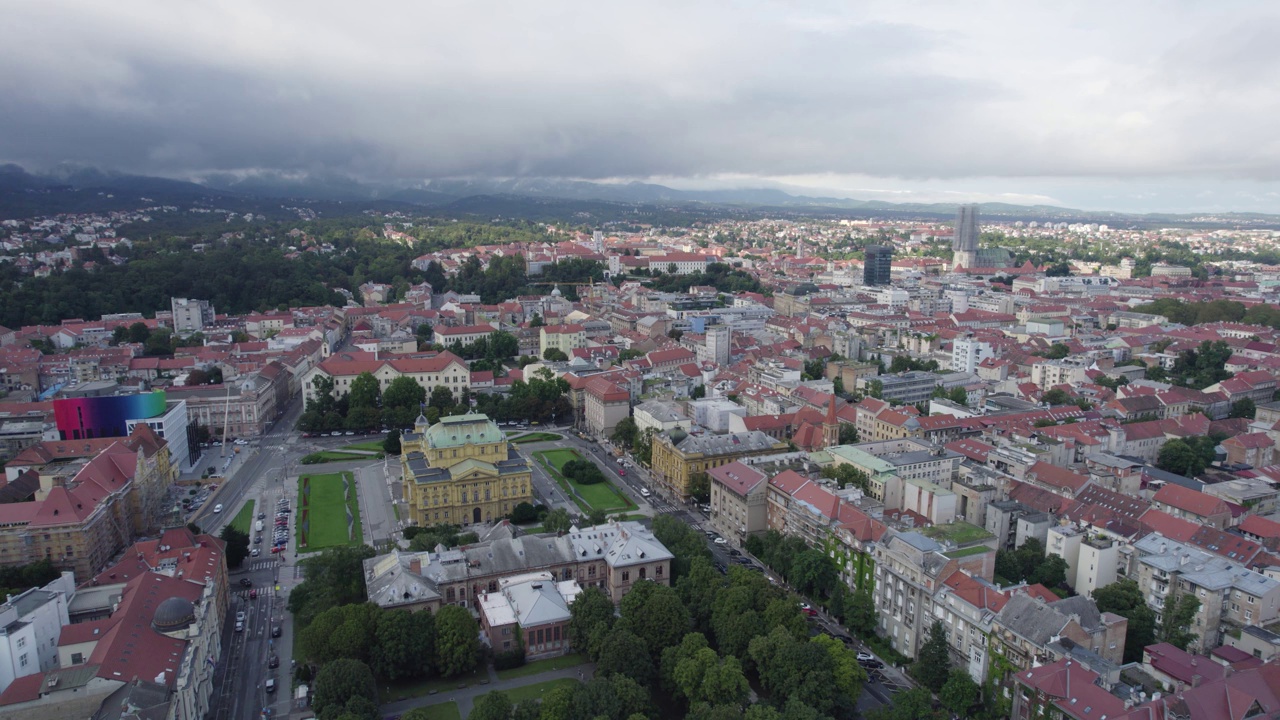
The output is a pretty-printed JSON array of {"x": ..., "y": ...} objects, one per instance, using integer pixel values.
[
  {"x": 462, "y": 471},
  {"x": 678, "y": 456}
]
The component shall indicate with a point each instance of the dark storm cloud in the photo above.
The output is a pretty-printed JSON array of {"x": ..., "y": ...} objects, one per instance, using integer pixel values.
[{"x": 601, "y": 90}]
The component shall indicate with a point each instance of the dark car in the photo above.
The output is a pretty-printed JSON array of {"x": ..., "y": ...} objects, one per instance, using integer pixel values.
[
  {"x": 273, "y": 662},
  {"x": 246, "y": 582},
  {"x": 734, "y": 552},
  {"x": 262, "y": 516},
  {"x": 257, "y": 540},
  {"x": 275, "y": 631}
]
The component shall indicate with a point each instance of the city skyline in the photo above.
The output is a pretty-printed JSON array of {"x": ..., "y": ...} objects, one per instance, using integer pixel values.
[{"x": 1160, "y": 108}]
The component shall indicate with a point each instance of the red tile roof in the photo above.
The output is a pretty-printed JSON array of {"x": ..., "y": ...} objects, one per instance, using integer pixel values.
[{"x": 1191, "y": 501}]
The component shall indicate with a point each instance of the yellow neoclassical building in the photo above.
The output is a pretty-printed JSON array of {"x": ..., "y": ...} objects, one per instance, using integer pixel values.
[{"x": 462, "y": 471}]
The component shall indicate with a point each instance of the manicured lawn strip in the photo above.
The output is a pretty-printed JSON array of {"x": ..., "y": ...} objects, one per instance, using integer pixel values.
[
  {"x": 324, "y": 456},
  {"x": 538, "y": 666},
  {"x": 326, "y": 511},
  {"x": 417, "y": 688},
  {"x": 600, "y": 496},
  {"x": 373, "y": 445},
  {"x": 532, "y": 692},
  {"x": 534, "y": 437},
  {"x": 244, "y": 518}
]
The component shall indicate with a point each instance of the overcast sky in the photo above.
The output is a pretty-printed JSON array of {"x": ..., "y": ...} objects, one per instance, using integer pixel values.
[{"x": 1134, "y": 106}]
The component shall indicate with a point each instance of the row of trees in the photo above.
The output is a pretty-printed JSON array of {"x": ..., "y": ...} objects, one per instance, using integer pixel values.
[{"x": 1188, "y": 456}]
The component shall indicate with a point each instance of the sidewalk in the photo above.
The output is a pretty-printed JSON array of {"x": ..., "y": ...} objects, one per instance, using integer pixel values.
[{"x": 466, "y": 697}]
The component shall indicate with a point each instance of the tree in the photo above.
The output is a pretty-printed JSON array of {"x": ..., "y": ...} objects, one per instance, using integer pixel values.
[
  {"x": 814, "y": 573},
  {"x": 365, "y": 391},
  {"x": 139, "y": 332},
  {"x": 654, "y": 613},
  {"x": 1124, "y": 598},
  {"x": 402, "y": 401},
  {"x": 237, "y": 545},
  {"x": 391, "y": 445},
  {"x": 333, "y": 577},
  {"x": 959, "y": 396},
  {"x": 700, "y": 487},
  {"x": 616, "y": 697},
  {"x": 861, "y": 613},
  {"x": 1056, "y": 396},
  {"x": 1175, "y": 626},
  {"x": 624, "y": 433},
  {"x": 523, "y": 513},
  {"x": 557, "y": 520},
  {"x": 913, "y": 704},
  {"x": 554, "y": 355},
  {"x": 1056, "y": 351},
  {"x": 405, "y": 644},
  {"x": 536, "y": 321},
  {"x": 590, "y": 620},
  {"x": 960, "y": 693},
  {"x": 848, "y": 433},
  {"x": 1178, "y": 456},
  {"x": 457, "y": 641},
  {"x": 684, "y": 542},
  {"x": 704, "y": 677},
  {"x": 698, "y": 392},
  {"x": 623, "y": 653},
  {"x": 340, "y": 682},
  {"x": 843, "y": 661},
  {"x": 1243, "y": 408},
  {"x": 875, "y": 389},
  {"x": 441, "y": 398},
  {"x": 933, "y": 661},
  {"x": 344, "y": 631},
  {"x": 492, "y": 706}
]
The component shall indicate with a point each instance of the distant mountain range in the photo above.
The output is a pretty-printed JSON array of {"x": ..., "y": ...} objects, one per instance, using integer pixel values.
[{"x": 81, "y": 189}]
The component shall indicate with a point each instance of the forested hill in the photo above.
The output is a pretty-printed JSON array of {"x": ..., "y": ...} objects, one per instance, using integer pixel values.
[{"x": 243, "y": 274}]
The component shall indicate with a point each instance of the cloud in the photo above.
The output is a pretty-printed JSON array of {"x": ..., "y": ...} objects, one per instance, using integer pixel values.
[{"x": 1024, "y": 93}]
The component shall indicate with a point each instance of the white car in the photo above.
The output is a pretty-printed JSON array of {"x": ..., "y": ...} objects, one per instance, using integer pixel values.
[
  {"x": 217, "y": 508},
  {"x": 240, "y": 616},
  {"x": 721, "y": 541},
  {"x": 645, "y": 492}
]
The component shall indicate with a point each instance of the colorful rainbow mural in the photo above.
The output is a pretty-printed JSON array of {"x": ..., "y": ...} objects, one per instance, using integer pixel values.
[{"x": 97, "y": 417}]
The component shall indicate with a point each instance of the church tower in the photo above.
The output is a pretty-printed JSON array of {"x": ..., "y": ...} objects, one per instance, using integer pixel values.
[{"x": 831, "y": 425}]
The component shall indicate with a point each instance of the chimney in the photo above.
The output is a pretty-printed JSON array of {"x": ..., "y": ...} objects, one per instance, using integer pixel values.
[{"x": 1195, "y": 680}]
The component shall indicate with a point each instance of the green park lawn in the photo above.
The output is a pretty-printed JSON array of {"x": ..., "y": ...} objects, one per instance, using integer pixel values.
[
  {"x": 533, "y": 692},
  {"x": 244, "y": 518},
  {"x": 600, "y": 496},
  {"x": 540, "y": 666},
  {"x": 418, "y": 688},
  {"x": 370, "y": 445},
  {"x": 534, "y": 437},
  {"x": 326, "y": 512},
  {"x": 325, "y": 456}
]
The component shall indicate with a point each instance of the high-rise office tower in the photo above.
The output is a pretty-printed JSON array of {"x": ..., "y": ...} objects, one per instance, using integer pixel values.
[
  {"x": 964, "y": 244},
  {"x": 877, "y": 268},
  {"x": 719, "y": 344}
]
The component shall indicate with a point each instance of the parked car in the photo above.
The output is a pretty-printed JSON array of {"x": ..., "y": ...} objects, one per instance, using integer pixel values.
[
  {"x": 240, "y": 616},
  {"x": 734, "y": 552},
  {"x": 271, "y": 685},
  {"x": 275, "y": 631},
  {"x": 804, "y": 608},
  {"x": 239, "y": 626}
]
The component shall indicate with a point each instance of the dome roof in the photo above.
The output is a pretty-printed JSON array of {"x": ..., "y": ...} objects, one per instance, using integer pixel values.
[
  {"x": 677, "y": 436},
  {"x": 555, "y": 292},
  {"x": 173, "y": 615}
]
